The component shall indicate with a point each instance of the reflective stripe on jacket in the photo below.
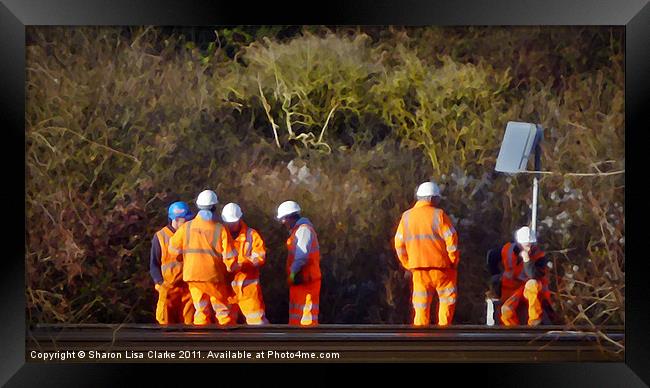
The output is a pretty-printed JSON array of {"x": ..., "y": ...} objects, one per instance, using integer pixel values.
[
  {"x": 311, "y": 269},
  {"x": 425, "y": 238},
  {"x": 207, "y": 250},
  {"x": 250, "y": 248}
]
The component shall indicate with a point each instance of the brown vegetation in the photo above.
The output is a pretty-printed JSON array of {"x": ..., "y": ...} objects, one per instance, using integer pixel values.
[{"x": 121, "y": 122}]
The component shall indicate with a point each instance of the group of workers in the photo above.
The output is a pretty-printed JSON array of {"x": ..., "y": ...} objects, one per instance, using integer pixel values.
[{"x": 206, "y": 269}]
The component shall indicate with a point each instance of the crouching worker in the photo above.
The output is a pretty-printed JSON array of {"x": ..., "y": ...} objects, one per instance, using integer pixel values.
[
  {"x": 251, "y": 256},
  {"x": 207, "y": 253},
  {"x": 524, "y": 279},
  {"x": 174, "y": 300},
  {"x": 426, "y": 246},
  {"x": 303, "y": 265}
]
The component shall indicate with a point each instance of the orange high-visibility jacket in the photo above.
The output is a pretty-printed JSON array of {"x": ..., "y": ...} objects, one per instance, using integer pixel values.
[
  {"x": 426, "y": 238},
  {"x": 250, "y": 248},
  {"x": 514, "y": 275},
  {"x": 171, "y": 269},
  {"x": 207, "y": 250},
  {"x": 311, "y": 269}
]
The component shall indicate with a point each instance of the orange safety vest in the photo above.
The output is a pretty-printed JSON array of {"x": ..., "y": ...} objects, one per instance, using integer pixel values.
[
  {"x": 250, "y": 247},
  {"x": 425, "y": 238},
  {"x": 207, "y": 250},
  {"x": 311, "y": 270},
  {"x": 172, "y": 270},
  {"x": 514, "y": 275}
]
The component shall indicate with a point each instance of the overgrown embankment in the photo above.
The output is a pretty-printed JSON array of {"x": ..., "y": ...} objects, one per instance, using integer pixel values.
[{"x": 121, "y": 122}]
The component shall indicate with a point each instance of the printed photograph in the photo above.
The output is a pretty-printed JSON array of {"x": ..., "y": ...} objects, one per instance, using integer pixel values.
[{"x": 461, "y": 184}]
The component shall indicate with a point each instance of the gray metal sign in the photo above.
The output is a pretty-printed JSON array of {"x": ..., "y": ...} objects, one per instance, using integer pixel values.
[{"x": 517, "y": 145}]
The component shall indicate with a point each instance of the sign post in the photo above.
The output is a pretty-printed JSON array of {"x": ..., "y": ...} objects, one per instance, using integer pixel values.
[
  {"x": 538, "y": 167},
  {"x": 519, "y": 141}
]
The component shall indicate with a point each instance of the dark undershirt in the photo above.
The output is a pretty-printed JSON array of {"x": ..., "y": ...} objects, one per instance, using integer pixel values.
[
  {"x": 534, "y": 269},
  {"x": 155, "y": 256}
]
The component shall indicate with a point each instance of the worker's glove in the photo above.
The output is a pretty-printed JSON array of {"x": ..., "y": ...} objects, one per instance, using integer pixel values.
[
  {"x": 157, "y": 287},
  {"x": 295, "y": 278}
]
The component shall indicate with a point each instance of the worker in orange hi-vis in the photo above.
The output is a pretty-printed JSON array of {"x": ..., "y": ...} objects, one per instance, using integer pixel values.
[
  {"x": 207, "y": 253},
  {"x": 251, "y": 256},
  {"x": 303, "y": 265},
  {"x": 426, "y": 245},
  {"x": 524, "y": 279},
  {"x": 174, "y": 299}
]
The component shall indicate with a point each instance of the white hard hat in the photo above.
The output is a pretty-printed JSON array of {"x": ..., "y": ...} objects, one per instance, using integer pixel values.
[
  {"x": 428, "y": 189},
  {"x": 231, "y": 213},
  {"x": 525, "y": 235},
  {"x": 206, "y": 199},
  {"x": 286, "y": 208}
]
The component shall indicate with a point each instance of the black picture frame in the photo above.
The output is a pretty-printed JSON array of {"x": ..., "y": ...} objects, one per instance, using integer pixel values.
[{"x": 16, "y": 14}]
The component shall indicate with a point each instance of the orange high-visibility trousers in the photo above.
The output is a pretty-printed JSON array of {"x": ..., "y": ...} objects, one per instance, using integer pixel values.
[
  {"x": 217, "y": 295},
  {"x": 249, "y": 298},
  {"x": 531, "y": 291},
  {"x": 303, "y": 304},
  {"x": 507, "y": 291},
  {"x": 174, "y": 305},
  {"x": 425, "y": 283}
]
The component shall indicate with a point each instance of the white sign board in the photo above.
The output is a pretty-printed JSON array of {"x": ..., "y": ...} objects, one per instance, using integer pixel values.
[{"x": 517, "y": 145}]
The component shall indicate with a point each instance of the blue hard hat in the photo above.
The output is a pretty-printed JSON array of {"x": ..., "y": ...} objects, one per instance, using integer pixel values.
[{"x": 179, "y": 209}]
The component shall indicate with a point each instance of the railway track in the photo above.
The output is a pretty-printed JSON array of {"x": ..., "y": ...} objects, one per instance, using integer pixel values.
[{"x": 337, "y": 343}]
